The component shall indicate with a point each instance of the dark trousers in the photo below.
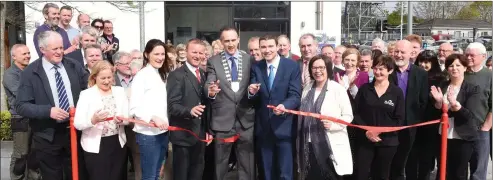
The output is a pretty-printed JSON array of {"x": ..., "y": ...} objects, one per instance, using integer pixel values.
[
  {"x": 244, "y": 153},
  {"x": 479, "y": 160},
  {"x": 314, "y": 172},
  {"x": 209, "y": 171},
  {"x": 110, "y": 163},
  {"x": 458, "y": 154},
  {"x": 133, "y": 151},
  {"x": 276, "y": 158},
  {"x": 23, "y": 164},
  {"x": 188, "y": 161},
  {"x": 406, "y": 141},
  {"x": 423, "y": 155},
  {"x": 373, "y": 160},
  {"x": 54, "y": 157}
]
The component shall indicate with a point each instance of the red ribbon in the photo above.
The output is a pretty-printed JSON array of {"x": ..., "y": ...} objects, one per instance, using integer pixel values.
[
  {"x": 174, "y": 128},
  {"x": 368, "y": 128}
]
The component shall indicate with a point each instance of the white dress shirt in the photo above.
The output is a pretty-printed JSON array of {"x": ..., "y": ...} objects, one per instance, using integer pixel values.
[
  {"x": 50, "y": 72},
  {"x": 148, "y": 99},
  {"x": 275, "y": 63},
  {"x": 90, "y": 101},
  {"x": 191, "y": 68}
]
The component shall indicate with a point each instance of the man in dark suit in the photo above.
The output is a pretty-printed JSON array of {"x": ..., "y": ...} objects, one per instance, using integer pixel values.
[
  {"x": 274, "y": 81},
  {"x": 88, "y": 36},
  {"x": 413, "y": 81},
  {"x": 186, "y": 105},
  {"x": 48, "y": 87},
  {"x": 231, "y": 110},
  {"x": 308, "y": 47}
]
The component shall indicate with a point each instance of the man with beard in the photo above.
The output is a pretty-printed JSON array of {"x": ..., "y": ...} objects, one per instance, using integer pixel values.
[
  {"x": 22, "y": 159},
  {"x": 413, "y": 81},
  {"x": 51, "y": 14},
  {"x": 445, "y": 50},
  {"x": 83, "y": 20},
  {"x": 231, "y": 111},
  {"x": 253, "y": 47},
  {"x": 284, "y": 46},
  {"x": 65, "y": 19}
]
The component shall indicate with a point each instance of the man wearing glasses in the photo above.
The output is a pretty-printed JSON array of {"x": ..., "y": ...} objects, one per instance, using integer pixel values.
[
  {"x": 111, "y": 40},
  {"x": 445, "y": 50}
]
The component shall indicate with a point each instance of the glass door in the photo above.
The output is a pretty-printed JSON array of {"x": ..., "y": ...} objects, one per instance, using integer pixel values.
[{"x": 248, "y": 28}]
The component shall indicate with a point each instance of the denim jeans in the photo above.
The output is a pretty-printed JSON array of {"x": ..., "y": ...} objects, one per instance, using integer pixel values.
[
  {"x": 153, "y": 151},
  {"x": 479, "y": 160}
]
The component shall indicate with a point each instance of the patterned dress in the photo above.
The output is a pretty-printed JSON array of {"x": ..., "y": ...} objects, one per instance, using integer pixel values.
[{"x": 110, "y": 128}]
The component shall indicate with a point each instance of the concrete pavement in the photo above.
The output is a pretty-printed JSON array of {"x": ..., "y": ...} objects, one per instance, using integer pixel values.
[{"x": 6, "y": 151}]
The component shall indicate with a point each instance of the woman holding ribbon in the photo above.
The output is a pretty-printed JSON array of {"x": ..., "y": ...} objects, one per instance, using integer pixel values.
[
  {"x": 322, "y": 146},
  {"x": 460, "y": 96},
  {"x": 378, "y": 103},
  {"x": 148, "y": 103},
  {"x": 103, "y": 140}
]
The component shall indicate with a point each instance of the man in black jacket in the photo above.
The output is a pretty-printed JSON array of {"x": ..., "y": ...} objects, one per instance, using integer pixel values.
[
  {"x": 185, "y": 108},
  {"x": 413, "y": 81},
  {"x": 48, "y": 87}
]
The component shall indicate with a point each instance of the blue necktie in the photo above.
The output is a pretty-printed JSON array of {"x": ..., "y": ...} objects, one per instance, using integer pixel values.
[
  {"x": 60, "y": 88},
  {"x": 272, "y": 75},
  {"x": 234, "y": 71}
]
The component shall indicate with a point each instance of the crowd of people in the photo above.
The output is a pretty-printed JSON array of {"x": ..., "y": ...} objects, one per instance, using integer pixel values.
[{"x": 218, "y": 91}]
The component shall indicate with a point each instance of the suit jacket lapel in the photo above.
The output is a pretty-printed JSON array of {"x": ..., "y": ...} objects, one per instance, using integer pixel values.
[
  {"x": 220, "y": 73},
  {"x": 246, "y": 72},
  {"x": 411, "y": 80},
  {"x": 44, "y": 79},
  {"x": 191, "y": 77},
  {"x": 265, "y": 77}
]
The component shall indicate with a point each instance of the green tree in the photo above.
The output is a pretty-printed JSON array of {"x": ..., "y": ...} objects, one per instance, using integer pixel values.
[
  {"x": 484, "y": 8},
  {"x": 468, "y": 12}
]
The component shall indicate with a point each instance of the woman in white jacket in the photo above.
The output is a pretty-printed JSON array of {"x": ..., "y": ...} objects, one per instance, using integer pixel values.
[
  {"x": 322, "y": 146},
  {"x": 103, "y": 141}
]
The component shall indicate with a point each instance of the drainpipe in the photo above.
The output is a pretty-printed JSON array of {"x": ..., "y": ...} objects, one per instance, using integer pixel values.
[{"x": 319, "y": 15}]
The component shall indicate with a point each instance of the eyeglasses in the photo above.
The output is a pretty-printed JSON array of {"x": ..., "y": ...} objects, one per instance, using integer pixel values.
[
  {"x": 121, "y": 64},
  {"x": 321, "y": 68},
  {"x": 98, "y": 27}
]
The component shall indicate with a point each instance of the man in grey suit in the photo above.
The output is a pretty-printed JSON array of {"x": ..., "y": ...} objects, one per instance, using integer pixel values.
[{"x": 231, "y": 111}]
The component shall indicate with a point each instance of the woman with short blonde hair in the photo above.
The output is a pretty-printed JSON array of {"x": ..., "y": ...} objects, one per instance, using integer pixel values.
[
  {"x": 103, "y": 138},
  {"x": 217, "y": 46}
]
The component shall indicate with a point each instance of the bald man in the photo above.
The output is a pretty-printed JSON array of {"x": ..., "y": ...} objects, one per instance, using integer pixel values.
[
  {"x": 445, "y": 50},
  {"x": 284, "y": 45},
  {"x": 21, "y": 131},
  {"x": 413, "y": 81},
  {"x": 254, "y": 49}
]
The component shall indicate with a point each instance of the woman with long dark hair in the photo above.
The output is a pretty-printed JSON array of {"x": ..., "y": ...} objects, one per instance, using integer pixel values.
[
  {"x": 148, "y": 103},
  {"x": 424, "y": 153}
]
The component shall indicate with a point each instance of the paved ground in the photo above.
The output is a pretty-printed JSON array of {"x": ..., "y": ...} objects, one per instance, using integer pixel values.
[{"x": 6, "y": 151}]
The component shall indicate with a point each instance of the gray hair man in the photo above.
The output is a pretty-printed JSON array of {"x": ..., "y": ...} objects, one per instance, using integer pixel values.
[
  {"x": 123, "y": 75},
  {"x": 88, "y": 37},
  {"x": 49, "y": 86},
  {"x": 137, "y": 61},
  {"x": 379, "y": 44},
  {"x": 51, "y": 14},
  {"x": 284, "y": 45},
  {"x": 309, "y": 48},
  {"x": 339, "y": 50},
  {"x": 254, "y": 48},
  {"x": 480, "y": 76},
  {"x": 445, "y": 50},
  {"x": 19, "y": 125},
  {"x": 83, "y": 20}
]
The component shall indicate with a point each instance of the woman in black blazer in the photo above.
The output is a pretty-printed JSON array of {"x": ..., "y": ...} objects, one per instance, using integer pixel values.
[{"x": 460, "y": 96}]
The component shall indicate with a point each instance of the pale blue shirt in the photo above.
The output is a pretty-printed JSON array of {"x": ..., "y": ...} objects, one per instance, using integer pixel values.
[
  {"x": 72, "y": 33},
  {"x": 236, "y": 56},
  {"x": 50, "y": 73}
]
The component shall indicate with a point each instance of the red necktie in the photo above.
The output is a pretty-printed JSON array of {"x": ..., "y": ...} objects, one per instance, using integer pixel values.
[{"x": 197, "y": 73}]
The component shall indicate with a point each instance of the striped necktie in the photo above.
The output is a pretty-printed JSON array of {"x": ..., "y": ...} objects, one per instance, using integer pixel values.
[{"x": 60, "y": 88}]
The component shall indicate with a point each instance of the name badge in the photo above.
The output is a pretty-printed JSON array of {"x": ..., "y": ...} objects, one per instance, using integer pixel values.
[{"x": 235, "y": 86}]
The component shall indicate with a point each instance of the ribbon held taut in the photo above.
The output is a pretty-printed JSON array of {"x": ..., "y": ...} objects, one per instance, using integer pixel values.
[
  {"x": 368, "y": 128},
  {"x": 175, "y": 128}
]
